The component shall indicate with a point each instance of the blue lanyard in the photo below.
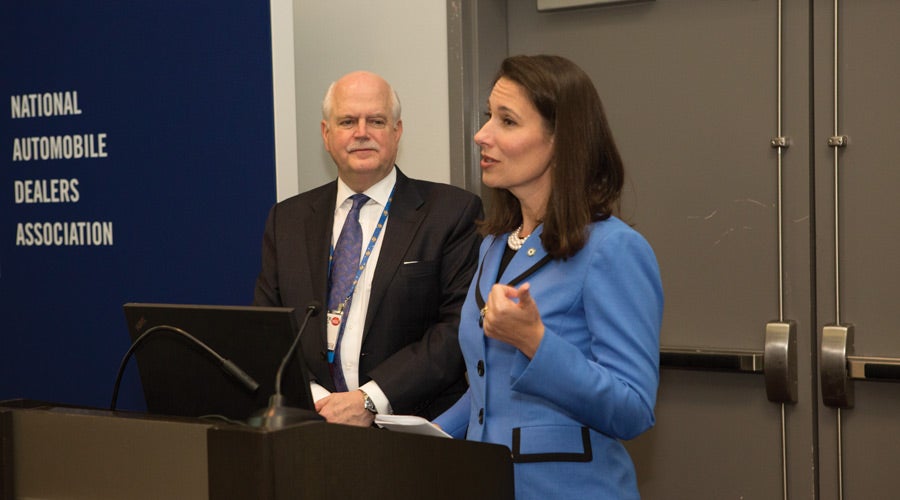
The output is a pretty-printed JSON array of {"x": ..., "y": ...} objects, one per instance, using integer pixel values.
[{"x": 365, "y": 258}]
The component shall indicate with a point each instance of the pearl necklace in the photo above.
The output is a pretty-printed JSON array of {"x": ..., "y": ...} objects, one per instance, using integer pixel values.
[{"x": 514, "y": 241}]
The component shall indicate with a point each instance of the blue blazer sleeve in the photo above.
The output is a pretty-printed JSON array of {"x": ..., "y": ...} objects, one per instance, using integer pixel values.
[{"x": 609, "y": 382}]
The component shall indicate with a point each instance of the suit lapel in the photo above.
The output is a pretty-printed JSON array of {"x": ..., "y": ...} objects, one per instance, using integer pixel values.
[
  {"x": 319, "y": 224},
  {"x": 403, "y": 222},
  {"x": 489, "y": 265},
  {"x": 526, "y": 261},
  {"x": 530, "y": 253}
]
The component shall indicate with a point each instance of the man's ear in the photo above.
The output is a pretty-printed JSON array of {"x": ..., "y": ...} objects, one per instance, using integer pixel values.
[{"x": 325, "y": 132}]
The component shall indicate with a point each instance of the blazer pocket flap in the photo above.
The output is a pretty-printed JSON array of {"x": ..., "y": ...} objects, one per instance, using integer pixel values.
[
  {"x": 551, "y": 443},
  {"x": 414, "y": 268}
]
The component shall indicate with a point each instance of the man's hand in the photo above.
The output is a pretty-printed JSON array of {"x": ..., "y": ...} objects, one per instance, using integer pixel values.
[{"x": 345, "y": 408}]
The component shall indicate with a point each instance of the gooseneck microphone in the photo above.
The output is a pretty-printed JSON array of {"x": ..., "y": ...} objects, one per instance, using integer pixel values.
[
  {"x": 232, "y": 369},
  {"x": 276, "y": 415}
]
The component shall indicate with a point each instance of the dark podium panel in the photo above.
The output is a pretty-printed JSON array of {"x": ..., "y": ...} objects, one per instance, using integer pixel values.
[{"x": 49, "y": 451}]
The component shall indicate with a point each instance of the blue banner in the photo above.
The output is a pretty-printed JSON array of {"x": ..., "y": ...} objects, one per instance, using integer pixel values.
[{"x": 136, "y": 164}]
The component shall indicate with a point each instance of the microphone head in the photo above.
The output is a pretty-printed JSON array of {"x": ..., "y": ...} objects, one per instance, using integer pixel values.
[{"x": 314, "y": 307}]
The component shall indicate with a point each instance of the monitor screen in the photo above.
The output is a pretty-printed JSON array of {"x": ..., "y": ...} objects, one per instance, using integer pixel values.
[{"x": 181, "y": 378}]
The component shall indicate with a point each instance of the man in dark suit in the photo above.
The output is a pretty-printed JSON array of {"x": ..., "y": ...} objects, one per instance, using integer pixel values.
[{"x": 393, "y": 336}]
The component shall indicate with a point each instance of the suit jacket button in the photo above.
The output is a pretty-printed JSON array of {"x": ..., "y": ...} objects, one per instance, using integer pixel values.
[
  {"x": 481, "y": 416},
  {"x": 480, "y": 368}
]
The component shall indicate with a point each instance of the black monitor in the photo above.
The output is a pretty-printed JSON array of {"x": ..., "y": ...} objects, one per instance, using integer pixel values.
[{"x": 181, "y": 378}]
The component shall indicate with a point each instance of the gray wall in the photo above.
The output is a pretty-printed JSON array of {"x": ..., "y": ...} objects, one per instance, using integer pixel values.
[{"x": 403, "y": 40}]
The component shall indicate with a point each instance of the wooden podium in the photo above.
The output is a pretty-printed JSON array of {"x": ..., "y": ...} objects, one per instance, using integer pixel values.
[{"x": 51, "y": 451}]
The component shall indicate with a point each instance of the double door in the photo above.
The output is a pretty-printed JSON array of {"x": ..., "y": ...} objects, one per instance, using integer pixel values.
[{"x": 762, "y": 166}]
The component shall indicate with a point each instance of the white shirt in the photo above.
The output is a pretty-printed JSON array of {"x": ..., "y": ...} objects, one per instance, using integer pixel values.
[{"x": 351, "y": 342}]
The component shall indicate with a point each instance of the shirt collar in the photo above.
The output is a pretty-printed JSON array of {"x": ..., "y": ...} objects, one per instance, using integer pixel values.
[{"x": 379, "y": 192}]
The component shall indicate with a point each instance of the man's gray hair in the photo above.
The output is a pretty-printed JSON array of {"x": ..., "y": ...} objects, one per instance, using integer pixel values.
[{"x": 328, "y": 103}]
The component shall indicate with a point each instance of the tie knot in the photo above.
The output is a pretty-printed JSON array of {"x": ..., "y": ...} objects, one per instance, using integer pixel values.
[{"x": 359, "y": 200}]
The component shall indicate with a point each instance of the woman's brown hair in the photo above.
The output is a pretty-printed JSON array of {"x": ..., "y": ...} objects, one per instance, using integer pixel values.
[{"x": 587, "y": 174}]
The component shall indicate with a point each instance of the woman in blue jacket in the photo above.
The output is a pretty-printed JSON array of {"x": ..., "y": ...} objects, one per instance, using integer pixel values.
[{"x": 560, "y": 329}]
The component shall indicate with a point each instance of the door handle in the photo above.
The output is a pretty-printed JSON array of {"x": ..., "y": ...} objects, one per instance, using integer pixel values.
[
  {"x": 778, "y": 362},
  {"x": 837, "y": 345},
  {"x": 781, "y": 361},
  {"x": 840, "y": 367},
  {"x": 712, "y": 359},
  {"x": 873, "y": 368}
]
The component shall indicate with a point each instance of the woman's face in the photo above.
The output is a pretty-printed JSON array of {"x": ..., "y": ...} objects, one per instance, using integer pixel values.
[{"x": 516, "y": 147}]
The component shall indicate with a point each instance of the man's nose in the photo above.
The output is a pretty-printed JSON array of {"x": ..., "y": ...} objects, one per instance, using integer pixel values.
[{"x": 361, "y": 130}]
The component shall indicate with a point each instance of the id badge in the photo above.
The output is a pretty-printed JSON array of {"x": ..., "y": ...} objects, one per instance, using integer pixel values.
[{"x": 334, "y": 326}]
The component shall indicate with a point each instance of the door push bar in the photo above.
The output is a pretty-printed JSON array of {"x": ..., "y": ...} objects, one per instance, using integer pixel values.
[
  {"x": 778, "y": 362},
  {"x": 840, "y": 367}
]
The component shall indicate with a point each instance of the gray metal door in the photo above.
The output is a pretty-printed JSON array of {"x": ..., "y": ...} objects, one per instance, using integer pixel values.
[
  {"x": 725, "y": 114},
  {"x": 857, "y": 156}
]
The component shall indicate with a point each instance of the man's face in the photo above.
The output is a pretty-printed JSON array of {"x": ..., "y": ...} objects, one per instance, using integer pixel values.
[{"x": 360, "y": 134}]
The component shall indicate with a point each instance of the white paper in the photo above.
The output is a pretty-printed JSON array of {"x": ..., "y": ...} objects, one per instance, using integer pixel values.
[{"x": 409, "y": 423}]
